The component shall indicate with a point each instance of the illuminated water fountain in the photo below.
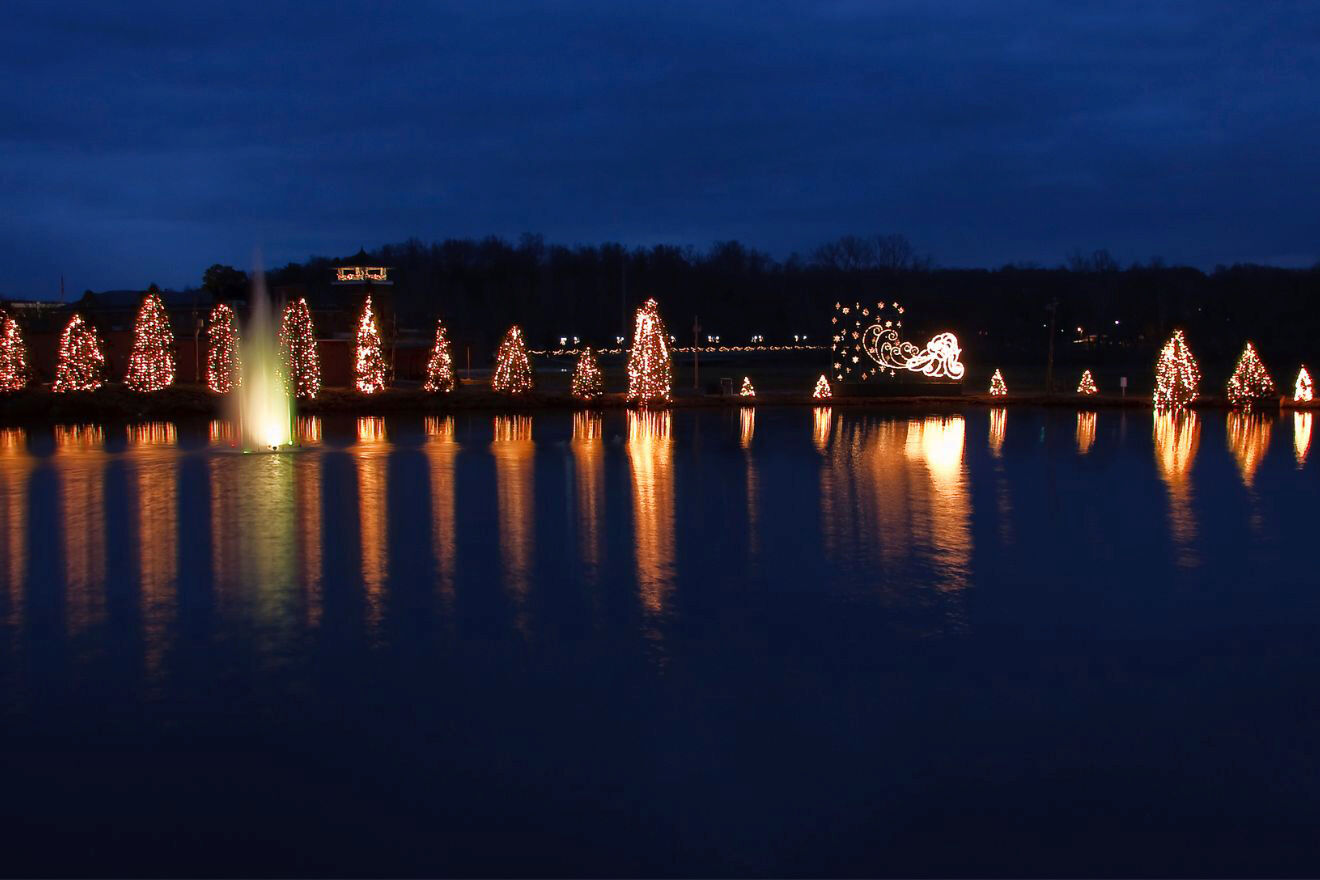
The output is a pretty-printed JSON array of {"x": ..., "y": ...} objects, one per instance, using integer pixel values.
[{"x": 265, "y": 404}]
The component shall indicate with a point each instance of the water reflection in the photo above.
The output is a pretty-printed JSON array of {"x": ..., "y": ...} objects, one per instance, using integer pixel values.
[
  {"x": 821, "y": 422},
  {"x": 80, "y": 462},
  {"x": 1248, "y": 440},
  {"x": 222, "y": 432},
  {"x": 746, "y": 431},
  {"x": 512, "y": 449},
  {"x": 650, "y": 457},
  {"x": 14, "y": 468},
  {"x": 1301, "y": 436},
  {"x": 371, "y": 455},
  {"x": 307, "y": 430},
  {"x": 1085, "y": 432},
  {"x": 589, "y": 464},
  {"x": 152, "y": 464},
  {"x": 441, "y": 449},
  {"x": 998, "y": 422},
  {"x": 1177, "y": 435}
]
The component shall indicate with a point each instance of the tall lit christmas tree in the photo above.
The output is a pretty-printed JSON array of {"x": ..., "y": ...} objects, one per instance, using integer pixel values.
[
  {"x": 1176, "y": 374},
  {"x": 368, "y": 364},
  {"x": 222, "y": 369},
  {"x": 513, "y": 369},
  {"x": 997, "y": 386},
  {"x": 298, "y": 349},
  {"x": 1250, "y": 381},
  {"x": 81, "y": 364},
  {"x": 1302, "y": 389},
  {"x": 822, "y": 391},
  {"x": 151, "y": 363},
  {"x": 650, "y": 373},
  {"x": 440, "y": 368},
  {"x": 588, "y": 383},
  {"x": 747, "y": 389},
  {"x": 1087, "y": 385},
  {"x": 13, "y": 355}
]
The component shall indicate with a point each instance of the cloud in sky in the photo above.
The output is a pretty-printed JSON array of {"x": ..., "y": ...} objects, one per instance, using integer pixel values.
[{"x": 145, "y": 140}]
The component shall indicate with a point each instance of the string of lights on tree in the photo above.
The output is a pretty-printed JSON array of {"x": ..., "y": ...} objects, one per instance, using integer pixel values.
[
  {"x": 1250, "y": 382},
  {"x": 1302, "y": 389},
  {"x": 650, "y": 372},
  {"x": 1177, "y": 376},
  {"x": 440, "y": 366},
  {"x": 822, "y": 391},
  {"x": 151, "y": 363},
  {"x": 997, "y": 386},
  {"x": 222, "y": 364},
  {"x": 747, "y": 390},
  {"x": 298, "y": 350},
  {"x": 1087, "y": 385},
  {"x": 513, "y": 369},
  {"x": 81, "y": 364},
  {"x": 13, "y": 355},
  {"x": 588, "y": 383},
  {"x": 368, "y": 363}
]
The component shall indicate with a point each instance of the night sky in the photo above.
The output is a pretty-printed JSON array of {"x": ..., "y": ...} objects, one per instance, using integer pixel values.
[{"x": 144, "y": 141}]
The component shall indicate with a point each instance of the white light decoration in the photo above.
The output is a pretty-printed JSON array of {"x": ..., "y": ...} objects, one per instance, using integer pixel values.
[
  {"x": 747, "y": 390},
  {"x": 822, "y": 391},
  {"x": 1303, "y": 390},
  {"x": 868, "y": 343}
]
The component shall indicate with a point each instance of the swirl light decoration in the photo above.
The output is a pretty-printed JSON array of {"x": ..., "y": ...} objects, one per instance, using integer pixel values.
[
  {"x": 13, "y": 355},
  {"x": 747, "y": 390},
  {"x": 1302, "y": 389},
  {"x": 82, "y": 363},
  {"x": 222, "y": 365},
  {"x": 298, "y": 349},
  {"x": 650, "y": 372},
  {"x": 440, "y": 368},
  {"x": 588, "y": 383},
  {"x": 1250, "y": 382},
  {"x": 1087, "y": 385},
  {"x": 822, "y": 391},
  {"x": 151, "y": 365},
  {"x": 997, "y": 386},
  {"x": 513, "y": 369},
  {"x": 1176, "y": 374},
  {"x": 868, "y": 343},
  {"x": 368, "y": 364}
]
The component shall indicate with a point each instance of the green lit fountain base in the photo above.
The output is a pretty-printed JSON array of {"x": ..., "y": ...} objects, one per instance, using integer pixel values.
[{"x": 906, "y": 388}]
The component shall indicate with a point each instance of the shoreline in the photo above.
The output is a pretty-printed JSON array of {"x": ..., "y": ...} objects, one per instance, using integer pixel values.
[{"x": 114, "y": 401}]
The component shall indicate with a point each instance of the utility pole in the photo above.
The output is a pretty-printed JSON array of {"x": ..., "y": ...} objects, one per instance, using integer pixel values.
[
  {"x": 1049, "y": 365},
  {"x": 696, "y": 347}
]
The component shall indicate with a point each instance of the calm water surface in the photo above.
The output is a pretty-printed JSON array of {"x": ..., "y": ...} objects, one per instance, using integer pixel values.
[{"x": 767, "y": 641}]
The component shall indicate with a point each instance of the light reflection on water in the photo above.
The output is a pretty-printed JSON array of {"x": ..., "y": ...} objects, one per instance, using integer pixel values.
[
  {"x": 15, "y": 466},
  {"x": 512, "y": 449},
  {"x": 371, "y": 455},
  {"x": 589, "y": 465},
  {"x": 1249, "y": 440},
  {"x": 1301, "y": 436},
  {"x": 80, "y": 462},
  {"x": 154, "y": 468},
  {"x": 441, "y": 449},
  {"x": 650, "y": 457},
  {"x": 1177, "y": 436}
]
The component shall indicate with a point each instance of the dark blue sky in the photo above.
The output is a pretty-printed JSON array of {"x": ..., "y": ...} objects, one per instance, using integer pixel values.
[{"x": 145, "y": 140}]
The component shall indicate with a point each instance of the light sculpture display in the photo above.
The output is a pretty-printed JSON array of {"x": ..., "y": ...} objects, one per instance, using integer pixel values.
[
  {"x": 368, "y": 364},
  {"x": 513, "y": 369},
  {"x": 1177, "y": 376},
  {"x": 13, "y": 355},
  {"x": 588, "y": 383},
  {"x": 298, "y": 350},
  {"x": 1302, "y": 389},
  {"x": 747, "y": 390},
  {"x": 867, "y": 344},
  {"x": 440, "y": 367},
  {"x": 650, "y": 373},
  {"x": 1087, "y": 385},
  {"x": 81, "y": 364},
  {"x": 222, "y": 363},
  {"x": 151, "y": 364},
  {"x": 997, "y": 386},
  {"x": 1250, "y": 382},
  {"x": 822, "y": 391}
]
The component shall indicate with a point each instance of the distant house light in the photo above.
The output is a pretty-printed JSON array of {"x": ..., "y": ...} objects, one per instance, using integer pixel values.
[{"x": 362, "y": 274}]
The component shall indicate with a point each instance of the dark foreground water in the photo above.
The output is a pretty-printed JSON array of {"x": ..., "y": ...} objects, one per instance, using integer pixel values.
[{"x": 779, "y": 641}]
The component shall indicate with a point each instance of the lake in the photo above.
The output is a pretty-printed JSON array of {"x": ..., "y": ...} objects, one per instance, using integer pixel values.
[{"x": 757, "y": 641}]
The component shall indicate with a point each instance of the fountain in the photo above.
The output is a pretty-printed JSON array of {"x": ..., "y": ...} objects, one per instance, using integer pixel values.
[{"x": 265, "y": 403}]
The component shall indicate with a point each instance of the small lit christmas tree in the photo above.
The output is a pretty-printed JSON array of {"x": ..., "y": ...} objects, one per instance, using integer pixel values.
[
  {"x": 298, "y": 349},
  {"x": 650, "y": 373},
  {"x": 13, "y": 355},
  {"x": 513, "y": 369},
  {"x": 81, "y": 363},
  {"x": 222, "y": 370},
  {"x": 151, "y": 364},
  {"x": 997, "y": 386},
  {"x": 1176, "y": 374},
  {"x": 440, "y": 368},
  {"x": 588, "y": 383},
  {"x": 1302, "y": 390},
  {"x": 747, "y": 390},
  {"x": 1250, "y": 382},
  {"x": 822, "y": 391},
  {"x": 368, "y": 364},
  {"x": 1087, "y": 385}
]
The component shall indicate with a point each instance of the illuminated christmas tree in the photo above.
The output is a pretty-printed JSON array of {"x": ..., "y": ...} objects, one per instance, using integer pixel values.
[
  {"x": 1302, "y": 390},
  {"x": 368, "y": 364},
  {"x": 513, "y": 369},
  {"x": 222, "y": 369},
  {"x": 81, "y": 364},
  {"x": 151, "y": 364},
  {"x": 997, "y": 386},
  {"x": 1176, "y": 374},
  {"x": 650, "y": 373},
  {"x": 440, "y": 368},
  {"x": 298, "y": 349},
  {"x": 1250, "y": 381},
  {"x": 13, "y": 355},
  {"x": 747, "y": 390},
  {"x": 822, "y": 391},
  {"x": 1087, "y": 385},
  {"x": 588, "y": 383}
]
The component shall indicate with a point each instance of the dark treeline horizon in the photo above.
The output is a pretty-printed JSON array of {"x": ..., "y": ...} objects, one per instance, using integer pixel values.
[{"x": 481, "y": 286}]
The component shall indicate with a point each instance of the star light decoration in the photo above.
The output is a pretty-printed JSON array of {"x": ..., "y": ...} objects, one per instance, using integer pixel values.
[
  {"x": 1303, "y": 391},
  {"x": 588, "y": 383},
  {"x": 513, "y": 369},
  {"x": 1176, "y": 374},
  {"x": 1087, "y": 385},
  {"x": 13, "y": 355},
  {"x": 222, "y": 364},
  {"x": 368, "y": 364},
  {"x": 867, "y": 343},
  {"x": 1250, "y": 382},
  {"x": 650, "y": 373},
  {"x": 151, "y": 364},
  {"x": 822, "y": 391},
  {"x": 440, "y": 368},
  {"x": 298, "y": 350},
  {"x": 997, "y": 386},
  {"x": 81, "y": 363},
  {"x": 747, "y": 390}
]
